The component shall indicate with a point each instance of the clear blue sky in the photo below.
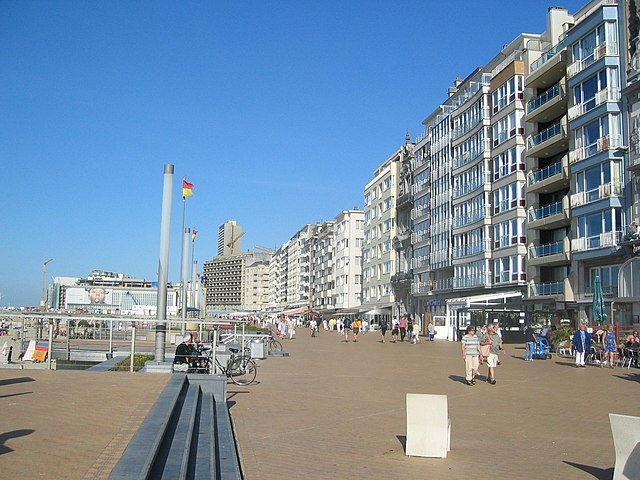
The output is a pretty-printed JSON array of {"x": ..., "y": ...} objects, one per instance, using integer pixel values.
[{"x": 277, "y": 112}]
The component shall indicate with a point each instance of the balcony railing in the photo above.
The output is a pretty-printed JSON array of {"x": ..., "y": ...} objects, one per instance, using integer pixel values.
[
  {"x": 543, "y": 136},
  {"x": 544, "y": 173},
  {"x": 548, "y": 55},
  {"x": 546, "y": 211},
  {"x": 603, "y": 96},
  {"x": 550, "y": 94},
  {"x": 465, "y": 188},
  {"x": 469, "y": 218},
  {"x": 606, "y": 239},
  {"x": 480, "y": 280},
  {"x": 473, "y": 249},
  {"x": 606, "y": 190},
  {"x": 603, "y": 50},
  {"x": 546, "y": 250},
  {"x": 541, "y": 289}
]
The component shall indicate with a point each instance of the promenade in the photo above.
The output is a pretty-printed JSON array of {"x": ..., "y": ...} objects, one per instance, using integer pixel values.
[{"x": 336, "y": 410}]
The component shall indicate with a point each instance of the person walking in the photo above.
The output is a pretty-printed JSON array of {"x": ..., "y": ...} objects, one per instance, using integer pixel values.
[
  {"x": 582, "y": 343},
  {"x": 403, "y": 327},
  {"x": 609, "y": 346},
  {"x": 394, "y": 330},
  {"x": 357, "y": 325},
  {"x": 495, "y": 342},
  {"x": 530, "y": 343},
  {"x": 346, "y": 328},
  {"x": 431, "y": 329},
  {"x": 383, "y": 328},
  {"x": 409, "y": 329},
  {"x": 470, "y": 355}
]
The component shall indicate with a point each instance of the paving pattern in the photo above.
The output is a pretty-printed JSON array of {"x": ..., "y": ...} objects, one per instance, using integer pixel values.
[{"x": 336, "y": 410}]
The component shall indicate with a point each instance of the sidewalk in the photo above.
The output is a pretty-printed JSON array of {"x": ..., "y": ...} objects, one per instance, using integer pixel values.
[{"x": 336, "y": 410}]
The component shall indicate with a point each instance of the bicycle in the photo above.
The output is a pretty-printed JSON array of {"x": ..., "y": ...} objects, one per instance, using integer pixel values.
[{"x": 241, "y": 369}]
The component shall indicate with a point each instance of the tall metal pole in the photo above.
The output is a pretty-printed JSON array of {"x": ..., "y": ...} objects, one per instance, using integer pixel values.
[
  {"x": 163, "y": 272},
  {"x": 44, "y": 279},
  {"x": 182, "y": 242},
  {"x": 185, "y": 275}
]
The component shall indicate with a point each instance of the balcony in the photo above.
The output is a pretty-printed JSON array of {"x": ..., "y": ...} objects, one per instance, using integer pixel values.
[
  {"x": 606, "y": 190},
  {"x": 609, "y": 142},
  {"x": 460, "y": 221},
  {"x": 473, "y": 281},
  {"x": 462, "y": 251},
  {"x": 605, "y": 49},
  {"x": 603, "y": 96},
  {"x": 442, "y": 285},
  {"x": 550, "y": 254},
  {"x": 470, "y": 187},
  {"x": 550, "y": 178},
  {"x": 549, "y": 68},
  {"x": 545, "y": 289},
  {"x": 602, "y": 240},
  {"x": 549, "y": 216},
  {"x": 551, "y": 104},
  {"x": 422, "y": 288},
  {"x": 549, "y": 141}
]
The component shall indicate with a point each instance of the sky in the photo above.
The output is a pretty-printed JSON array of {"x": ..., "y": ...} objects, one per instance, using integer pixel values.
[{"x": 277, "y": 112}]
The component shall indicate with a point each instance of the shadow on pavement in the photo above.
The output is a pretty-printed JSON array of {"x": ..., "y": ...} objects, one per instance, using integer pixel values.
[
  {"x": 599, "y": 473},
  {"x": 11, "y": 435},
  {"x": 11, "y": 381}
]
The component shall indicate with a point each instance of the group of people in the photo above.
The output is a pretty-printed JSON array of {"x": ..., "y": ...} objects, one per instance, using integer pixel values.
[
  {"x": 404, "y": 327},
  {"x": 482, "y": 348}
]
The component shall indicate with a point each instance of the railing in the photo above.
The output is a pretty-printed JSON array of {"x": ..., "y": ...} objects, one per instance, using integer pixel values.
[
  {"x": 605, "y": 190},
  {"x": 480, "y": 280},
  {"x": 542, "y": 289},
  {"x": 548, "y": 55},
  {"x": 469, "y": 187},
  {"x": 602, "y": 50},
  {"x": 472, "y": 249},
  {"x": 603, "y": 96},
  {"x": 550, "y": 94},
  {"x": 544, "y": 173},
  {"x": 546, "y": 250},
  {"x": 606, "y": 239},
  {"x": 469, "y": 218},
  {"x": 543, "y": 136},
  {"x": 546, "y": 211}
]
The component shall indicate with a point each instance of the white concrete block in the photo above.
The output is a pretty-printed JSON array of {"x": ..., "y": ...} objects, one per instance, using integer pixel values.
[
  {"x": 428, "y": 425},
  {"x": 626, "y": 440}
]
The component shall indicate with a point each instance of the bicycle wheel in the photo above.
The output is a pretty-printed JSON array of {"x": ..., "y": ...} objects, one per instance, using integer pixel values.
[
  {"x": 242, "y": 371},
  {"x": 275, "y": 345}
]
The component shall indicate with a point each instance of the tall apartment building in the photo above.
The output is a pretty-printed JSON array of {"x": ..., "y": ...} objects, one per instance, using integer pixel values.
[
  {"x": 402, "y": 278},
  {"x": 229, "y": 238},
  {"x": 237, "y": 282},
  {"x": 321, "y": 267},
  {"x": 378, "y": 256},
  {"x": 347, "y": 264}
]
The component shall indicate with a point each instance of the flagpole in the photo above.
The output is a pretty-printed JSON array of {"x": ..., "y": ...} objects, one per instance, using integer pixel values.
[
  {"x": 193, "y": 269},
  {"x": 183, "y": 328}
]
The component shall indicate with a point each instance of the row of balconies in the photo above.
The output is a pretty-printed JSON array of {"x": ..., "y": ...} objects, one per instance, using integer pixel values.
[
  {"x": 472, "y": 281},
  {"x": 473, "y": 122},
  {"x": 461, "y": 251},
  {"x": 464, "y": 188}
]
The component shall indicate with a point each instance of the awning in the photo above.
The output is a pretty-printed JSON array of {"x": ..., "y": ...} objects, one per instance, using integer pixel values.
[{"x": 296, "y": 311}]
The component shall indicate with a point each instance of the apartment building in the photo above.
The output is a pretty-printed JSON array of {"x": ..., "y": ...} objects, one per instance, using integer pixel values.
[
  {"x": 347, "y": 254},
  {"x": 237, "y": 282},
  {"x": 321, "y": 268},
  {"x": 378, "y": 256}
]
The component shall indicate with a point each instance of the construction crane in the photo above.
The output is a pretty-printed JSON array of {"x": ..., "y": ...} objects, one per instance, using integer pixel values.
[
  {"x": 260, "y": 248},
  {"x": 233, "y": 241}
]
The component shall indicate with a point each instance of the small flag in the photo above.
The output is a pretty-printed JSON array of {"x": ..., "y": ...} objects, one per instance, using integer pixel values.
[
  {"x": 187, "y": 189},
  {"x": 193, "y": 235}
]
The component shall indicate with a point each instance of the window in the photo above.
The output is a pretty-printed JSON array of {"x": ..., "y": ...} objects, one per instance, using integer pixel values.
[
  {"x": 509, "y": 197},
  {"x": 388, "y": 203},
  {"x": 507, "y": 127},
  {"x": 585, "y": 92},
  {"x": 509, "y": 269},
  {"x": 608, "y": 279},
  {"x": 508, "y": 92},
  {"x": 508, "y": 162}
]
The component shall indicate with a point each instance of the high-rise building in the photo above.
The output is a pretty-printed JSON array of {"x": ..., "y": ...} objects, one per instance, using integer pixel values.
[
  {"x": 378, "y": 256},
  {"x": 229, "y": 238},
  {"x": 348, "y": 239}
]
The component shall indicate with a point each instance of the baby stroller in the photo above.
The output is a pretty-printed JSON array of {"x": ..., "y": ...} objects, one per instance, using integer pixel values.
[{"x": 541, "y": 348}]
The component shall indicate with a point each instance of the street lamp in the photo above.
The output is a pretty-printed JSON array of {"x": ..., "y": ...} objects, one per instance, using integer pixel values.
[{"x": 44, "y": 279}]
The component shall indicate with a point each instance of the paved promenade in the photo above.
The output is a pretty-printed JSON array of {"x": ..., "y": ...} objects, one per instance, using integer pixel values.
[{"x": 336, "y": 410}]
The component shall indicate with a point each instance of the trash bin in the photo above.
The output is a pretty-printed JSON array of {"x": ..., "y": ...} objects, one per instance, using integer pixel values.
[{"x": 257, "y": 349}]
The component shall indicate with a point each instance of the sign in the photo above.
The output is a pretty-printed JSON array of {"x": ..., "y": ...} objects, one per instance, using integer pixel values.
[{"x": 40, "y": 355}]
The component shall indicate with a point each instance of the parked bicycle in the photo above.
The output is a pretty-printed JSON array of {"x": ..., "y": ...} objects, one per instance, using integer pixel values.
[{"x": 241, "y": 369}]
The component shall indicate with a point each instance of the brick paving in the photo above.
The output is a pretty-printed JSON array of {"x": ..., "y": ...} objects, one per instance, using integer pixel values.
[{"x": 336, "y": 410}]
